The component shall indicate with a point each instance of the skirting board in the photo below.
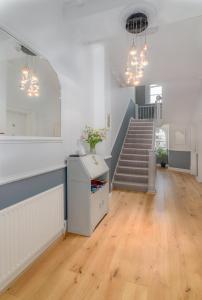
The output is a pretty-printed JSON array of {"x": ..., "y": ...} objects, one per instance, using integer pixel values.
[{"x": 179, "y": 170}]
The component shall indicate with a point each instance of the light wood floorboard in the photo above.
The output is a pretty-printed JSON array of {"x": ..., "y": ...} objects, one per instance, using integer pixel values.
[{"x": 149, "y": 247}]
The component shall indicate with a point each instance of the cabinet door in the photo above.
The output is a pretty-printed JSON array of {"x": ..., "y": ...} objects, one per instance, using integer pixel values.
[
  {"x": 99, "y": 205},
  {"x": 95, "y": 209},
  {"x": 105, "y": 199}
]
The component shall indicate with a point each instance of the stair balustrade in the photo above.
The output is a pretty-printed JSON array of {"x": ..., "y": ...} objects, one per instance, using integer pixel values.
[{"x": 149, "y": 112}]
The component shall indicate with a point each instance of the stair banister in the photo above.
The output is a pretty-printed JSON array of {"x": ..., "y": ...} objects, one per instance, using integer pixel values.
[{"x": 136, "y": 111}]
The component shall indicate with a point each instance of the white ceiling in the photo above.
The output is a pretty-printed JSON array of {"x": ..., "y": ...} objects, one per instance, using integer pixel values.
[
  {"x": 168, "y": 10},
  {"x": 175, "y": 37}
]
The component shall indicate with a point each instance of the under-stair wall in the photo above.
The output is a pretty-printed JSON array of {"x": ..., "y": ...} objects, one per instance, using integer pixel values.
[{"x": 116, "y": 150}]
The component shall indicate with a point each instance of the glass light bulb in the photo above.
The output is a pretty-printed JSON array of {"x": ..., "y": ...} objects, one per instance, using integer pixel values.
[
  {"x": 133, "y": 51},
  {"x": 145, "y": 47},
  {"x": 25, "y": 71},
  {"x": 136, "y": 82},
  {"x": 34, "y": 78},
  {"x": 145, "y": 63}
]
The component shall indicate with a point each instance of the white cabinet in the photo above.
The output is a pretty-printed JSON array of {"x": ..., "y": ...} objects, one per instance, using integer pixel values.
[{"x": 85, "y": 208}]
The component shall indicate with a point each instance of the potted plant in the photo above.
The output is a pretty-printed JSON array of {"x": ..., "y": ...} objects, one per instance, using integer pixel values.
[
  {"x": 93, "y": 137},
  {"x": 162, "y": 156}
]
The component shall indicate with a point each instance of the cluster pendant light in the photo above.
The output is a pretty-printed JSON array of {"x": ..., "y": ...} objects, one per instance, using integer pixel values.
[
  {"x": 29, "y": 80},
  {"x": 138, "y": 54}
]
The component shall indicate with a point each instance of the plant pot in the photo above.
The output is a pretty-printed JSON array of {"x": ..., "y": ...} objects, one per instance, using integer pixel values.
[
  {"x": 163, "y": 164},
  {"x": 92, "y": 149}
]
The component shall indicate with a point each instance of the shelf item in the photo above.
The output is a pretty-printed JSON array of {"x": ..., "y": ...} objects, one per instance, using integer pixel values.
[
  {"x": 88, "y": 192},
  {"x": 97, "y": 184}
]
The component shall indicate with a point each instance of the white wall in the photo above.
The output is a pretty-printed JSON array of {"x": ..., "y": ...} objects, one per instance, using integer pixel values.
[
  {"x": 120, "y": 98},
  {"x": 3, "y": 81},
  {"x": 28, "y": 157},
  {"x": 197, "y": 125},
  {"x": 179, "y": 101}
]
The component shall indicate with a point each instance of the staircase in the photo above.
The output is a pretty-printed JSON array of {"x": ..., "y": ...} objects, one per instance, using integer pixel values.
[{"x": 132, "y": 172}]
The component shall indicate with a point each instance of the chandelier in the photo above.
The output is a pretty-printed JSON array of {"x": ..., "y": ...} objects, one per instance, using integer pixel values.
[
  {"x": 137, "y": 24},
  {"x": 29, "y": 80}
]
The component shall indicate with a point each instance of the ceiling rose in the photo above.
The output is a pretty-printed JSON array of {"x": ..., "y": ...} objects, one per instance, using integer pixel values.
[{"x": 137, "y": 24}]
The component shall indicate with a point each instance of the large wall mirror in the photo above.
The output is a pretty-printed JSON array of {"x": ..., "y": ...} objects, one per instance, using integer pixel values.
[{"x": 30, "y": 103}]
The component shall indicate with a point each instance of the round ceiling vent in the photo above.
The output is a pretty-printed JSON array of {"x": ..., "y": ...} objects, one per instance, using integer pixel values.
[{"x": 136, "y": 23}]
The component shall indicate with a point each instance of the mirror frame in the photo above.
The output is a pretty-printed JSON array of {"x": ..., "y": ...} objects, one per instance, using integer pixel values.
[{"x": 6, "y": 139}]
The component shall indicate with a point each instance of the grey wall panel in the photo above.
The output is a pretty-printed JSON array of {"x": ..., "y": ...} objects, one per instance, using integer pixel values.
[
  {"x": 18, "y": 191},
  {"x": 120, "y": 138},
  {"x": 179, "y": 159},
  {"x": 140, "y": 95}
]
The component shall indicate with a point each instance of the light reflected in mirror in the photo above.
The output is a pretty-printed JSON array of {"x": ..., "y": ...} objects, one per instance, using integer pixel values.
[{"x": 29, "y": 92}]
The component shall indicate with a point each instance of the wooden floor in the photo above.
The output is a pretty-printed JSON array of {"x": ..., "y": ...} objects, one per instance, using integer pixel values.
[{"x": 148, "y": 247}]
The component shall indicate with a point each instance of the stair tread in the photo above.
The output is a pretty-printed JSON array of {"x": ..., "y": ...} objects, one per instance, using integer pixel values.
[
  {"x": 142, "y": 123},
  {"x": 131, "y": 183},
  {"x": 136, "y": 143},
  {"x": 139, "y": 134},
  {"x": 144, "y": 155},
  {"x": 140, "y": 144},
  {"x": 133, "y": 168},
  {"x": 131, "y": 175},
  {"x": 144, "y": 140},
  {"x": 139, "y": 161},
  {"x": 132, "y": 148}
]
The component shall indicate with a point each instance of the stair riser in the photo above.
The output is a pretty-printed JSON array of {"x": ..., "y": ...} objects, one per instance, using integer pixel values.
[
  {"x": 136, "y": 164},
  {"x": 137, "y": 146},
  {"x": 134, "y": 151},
  {"x": 141, "y": 132},
  {"x": 144, "y": 141},
  {"x": 136, "y": 128},
  {"x": 130, "y": 171},
  {"x": 139, "y": 136},
  {"x": 135, "y": 157},
  {"x": 123, "y": 186},
  {"x": 131, "y": 179},
  {"x": 142, "y": 123}
]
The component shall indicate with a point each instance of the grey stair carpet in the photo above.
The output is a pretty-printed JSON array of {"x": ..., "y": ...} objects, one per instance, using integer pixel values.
[{"x": 132, "y": 169}]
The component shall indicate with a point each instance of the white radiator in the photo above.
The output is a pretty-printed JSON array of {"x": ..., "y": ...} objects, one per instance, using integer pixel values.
[{"x": 27, "y": 229}]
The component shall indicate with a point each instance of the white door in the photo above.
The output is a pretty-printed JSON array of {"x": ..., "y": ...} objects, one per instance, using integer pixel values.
[{"x": 16, "y": 123}]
